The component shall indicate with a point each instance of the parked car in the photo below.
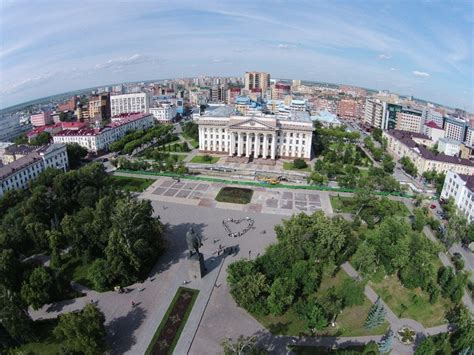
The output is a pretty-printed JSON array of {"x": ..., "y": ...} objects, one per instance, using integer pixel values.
[{"x": 433, "y": 206}]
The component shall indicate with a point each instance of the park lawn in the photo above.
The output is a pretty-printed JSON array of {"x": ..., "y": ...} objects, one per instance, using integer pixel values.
[
  {"x": 191, "y": 140},
  {"x": 288, "y": 165},
  {"x": 342, "y": 204},
  {"x": 75, "y": 270},
  {"x": 401, "y": 302},
  {"x": 47, "y": 344},
  {"x": 349, "y": 323},
  {"x": 235, "y": 195},
  {"x": 131, "y": 184},
  {"x": 201, "y": 160},
  {"x": 345, "y": 204}
]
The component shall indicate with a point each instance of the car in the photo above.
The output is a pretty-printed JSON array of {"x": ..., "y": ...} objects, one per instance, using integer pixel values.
[{"x": 433, "y": 206}]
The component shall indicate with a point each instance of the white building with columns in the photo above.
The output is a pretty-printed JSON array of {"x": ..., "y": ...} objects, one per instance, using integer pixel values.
[{"x": 259, "y": 137}]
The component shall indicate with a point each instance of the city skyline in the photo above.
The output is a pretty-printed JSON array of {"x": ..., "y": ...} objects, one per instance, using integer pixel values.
[{"x": 424, "y": 50}]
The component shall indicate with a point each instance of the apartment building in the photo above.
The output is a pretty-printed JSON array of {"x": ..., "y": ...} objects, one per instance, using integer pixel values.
[
  {"x": 18, "y": 173},
  {"x": 348, "y": 109},
  {"x": 432, "y": 130},
  {"x": 99, "y": 106},
  {"x": 449, "y": 146},
  {"x": 257, "y": 80},
  {"x": 373, "y": 113},
  {"x": 414, "y": 146},
  {"x": 130, "y": 103},
  {"x": 461, "y": 189},
  {"x": 280, "y": 91},
  {"x": 96, "y": 139}
]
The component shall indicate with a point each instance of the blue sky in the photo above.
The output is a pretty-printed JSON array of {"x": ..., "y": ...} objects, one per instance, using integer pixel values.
[{"x": 424, "y": 48}]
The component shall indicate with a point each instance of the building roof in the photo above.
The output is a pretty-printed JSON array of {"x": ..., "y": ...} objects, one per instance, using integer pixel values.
[
  {"x": 407, "y": 139},
  {"x": 447, "y": 140},
  {"x": 21, "y": 149},
  {"x": 19, "y": 164},
  {"x": 326, "y": 116},
  {"x": 469, "y": 180},
  {"x": 432, "y": 124}
]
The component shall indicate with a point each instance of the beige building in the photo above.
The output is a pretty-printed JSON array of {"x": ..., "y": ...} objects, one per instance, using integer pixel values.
[
  {"x": 257, "y": 80},
  {"x": 264, "y": 136},
  {"x": 413, "y": 146},
  {"x": 409, "y": 120}
]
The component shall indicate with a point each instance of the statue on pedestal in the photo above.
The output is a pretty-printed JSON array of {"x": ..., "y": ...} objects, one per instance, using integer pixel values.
[
  {"x": 196, "y": 259},
  {"x": 194, "y": 241}
]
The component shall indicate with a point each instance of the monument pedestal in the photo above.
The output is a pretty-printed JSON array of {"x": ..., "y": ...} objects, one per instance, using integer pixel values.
[{"x": 196, "y": 266}]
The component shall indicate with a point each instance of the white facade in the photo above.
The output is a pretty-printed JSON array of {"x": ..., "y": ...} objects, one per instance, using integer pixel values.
[
  {"x": 461, "y": 189},
  {"x": 432, "y": 130},
  {"x": 18, "y": 174},
  {"x": 95, "y": 139},
  {"x": 264, "y": 136},
  {"x": 373, "y": 113},
  {"x": 449, "y": 146},
  {"x": 164, "y": 114},
  {"x": 454, "y": 128},
  {"x": 128, "y": 103}
]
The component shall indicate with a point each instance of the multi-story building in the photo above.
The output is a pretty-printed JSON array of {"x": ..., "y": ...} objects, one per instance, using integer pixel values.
[
  {"x": 41, "y": 119},
  {"x": 130, "y": 103},
  {"x": 461, "y": 189},
  {"x": 455, "y": 128},
  {"x": 265, "y": 136},
  {"x": 470, "y": 135},
  {"x": 432, "y": 130},
  {"x": 280, "y": 91},
  {"x": 257, "y": 80},
  {"x": 433, "y": 115},
  {"x": 99, "y": 106},
  {"x": 413, "y": 146},
  {"x": 166, "y": 113},
  {"x": 18, "y": 173},
  {"x": 98, "y": 139},
  {"x": 232, "y": 94},
  {"x": 449, "y": 146},
  {"x": 373, "y": 113},
  {"x": 348, "y": 109},
  {"x": 11, "y": 126},
  {"x": 409, "y": 119}
]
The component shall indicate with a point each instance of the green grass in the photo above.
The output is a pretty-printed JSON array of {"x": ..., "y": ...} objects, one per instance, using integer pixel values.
[
  {"x": 345, "y": 204},
  {"x": 75, "y": 270},
  {"x": 234, "y": 195},
  {"x": 348, "y": 323},
  {"x": 165, "y": 318},
  {"x": 288, "y": 165},
  {"x": 193, "y": 142},
  {"x": 130, "y": 184},
  {"x": 396, "y": 296},
  {"x": 46, "y": 344},
  {"x": 202, "y": 159}
]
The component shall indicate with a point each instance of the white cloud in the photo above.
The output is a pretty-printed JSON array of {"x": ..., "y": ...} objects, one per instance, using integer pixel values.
[
  {"x": 135, "y": 59},
  {"x": 421, "y": 74},
  {"x": 393, "y": 69},
  {"x": 384, "y": 56}
]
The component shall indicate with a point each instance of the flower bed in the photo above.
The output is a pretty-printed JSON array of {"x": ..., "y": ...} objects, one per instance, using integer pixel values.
[{"x": 167, "y": 335}]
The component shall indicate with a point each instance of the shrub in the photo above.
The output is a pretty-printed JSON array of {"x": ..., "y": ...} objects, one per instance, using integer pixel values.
[{"x": 299, "y": 164}]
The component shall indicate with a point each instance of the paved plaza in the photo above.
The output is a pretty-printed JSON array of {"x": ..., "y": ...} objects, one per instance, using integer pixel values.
[{"x": 265, "y": 200}]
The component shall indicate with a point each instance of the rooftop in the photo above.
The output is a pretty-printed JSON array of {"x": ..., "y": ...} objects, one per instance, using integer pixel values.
[
  {"x": 432, "y": 124},
  {"x": 469, "y": 180},
  {"x": 407, "y": 139},
  {"x": 19, "y": 164}
]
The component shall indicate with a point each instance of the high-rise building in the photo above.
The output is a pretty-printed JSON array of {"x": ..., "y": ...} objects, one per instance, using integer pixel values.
[
  {"x": 373, "y": 113},
  {"x": 455, "y": 128},
  {"x": 257, "y": 80},
  {"x": 461, "y": 189},
  {"x": 99, "y": 106},
  {"x": 128, "y": 103}
]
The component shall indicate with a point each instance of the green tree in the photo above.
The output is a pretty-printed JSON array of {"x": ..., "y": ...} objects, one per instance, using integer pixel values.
[
  {"x": 281, "y": 296},
  {"x": 388, "y": 163},
  {"x": 408, "y": 166},
  {"x": 463, "y": 336},
  {"x": 386, "y": 344},
  {"x": 351, "y": 292},
  {"x": 299, "y": 164},
  {"x": 10, "y": 270},
  {"x": 14, "y": 317},
  {"x": 41, "y": 139},
  {"x": 250, "y": 292},
  {"x": 21, "y": 139},
  {"x": 365, "y": 258},
  {"x": 37, "y": 289},
  {"x": 98, "y": 274},
  {"x": 82, "y": 332},
  {"x": 376, "y": 315},
  {"x": 426, "y": 347},
  {"x": 420, "y": 219},
  {"x": 75, "y": 153},
  {"x": 316, "y": 317},
  {"x": 242, "y": 346}
]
